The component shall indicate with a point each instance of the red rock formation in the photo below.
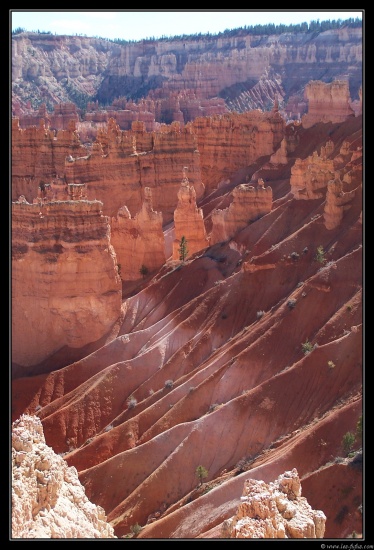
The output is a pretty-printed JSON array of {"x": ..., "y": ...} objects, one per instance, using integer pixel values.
[
  {"x": 120, "y": 160},
  {"x": 38, "y": 155},
  {"x": 249, "y": 203},
  {"x": 246, "y": 360},
  {"x": 138, "y": 241},
  {"x": 309, "y": 177},
  {"x": 275, "y": 511},
  {"x": 245, "y": 69},
  {"x": 337, "y": 202},
  {"x": 188, "y": 220},
  {"x": 65, "y": 286},
  {"x": 327, "y": 102},
  {"x": 229, "y": 142}
]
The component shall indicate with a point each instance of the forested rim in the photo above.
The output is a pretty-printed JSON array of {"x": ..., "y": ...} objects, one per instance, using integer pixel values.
[{"x": 316, "y": 27}]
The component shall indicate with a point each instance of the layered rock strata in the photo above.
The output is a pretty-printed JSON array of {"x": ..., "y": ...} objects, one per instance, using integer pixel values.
[
  {"x": 65, "y": 286},
  {"x": 327, "y": 102},
  {"x": 123, "y": 162},
  {"x": 229, "y": 142},
  {"x": 275, "y": 510},
  {"x": 48, "y": 500},
  {"x": 188, "y": 220},
  {"x": 337, "y": 202},
  {"x": 249, "y": 203},
  {"x": 309, "y": 176},
  {"x": 38, "y": 156},
  {"x": 245, "y": 69},
  {"x": 139, "y": 242}
]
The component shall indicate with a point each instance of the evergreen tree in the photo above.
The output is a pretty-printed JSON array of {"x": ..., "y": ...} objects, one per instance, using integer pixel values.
[{"x": 183, "y": 250}]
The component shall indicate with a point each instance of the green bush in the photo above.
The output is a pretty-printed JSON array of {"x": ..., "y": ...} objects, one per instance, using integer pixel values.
[
  {"x": 201, "y": 473},
  {"x": 348, "y": 441},
  {"x": 307, "y": 347},
  {"x": 320, "y": 255}
]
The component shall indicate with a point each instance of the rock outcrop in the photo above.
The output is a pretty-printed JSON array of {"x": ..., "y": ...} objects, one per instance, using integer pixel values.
[
  {"x": 48, "y": 500},
  {"x": 327, "y": 102},
  {"x": 229, "y": 142},
  {"x": 249, "y": 203},
  {"x": 139, "y": 242},
  {"x": 337, "y": 202},
  {"x": 275, "y": 510},
  {"x": 188, "y": 220},
  {"x": 65, "y": 285},
  {"x": 309, "y": 176}
]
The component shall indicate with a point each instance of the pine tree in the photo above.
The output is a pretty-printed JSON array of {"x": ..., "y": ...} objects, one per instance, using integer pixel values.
[{"x": 183, "y": 249}]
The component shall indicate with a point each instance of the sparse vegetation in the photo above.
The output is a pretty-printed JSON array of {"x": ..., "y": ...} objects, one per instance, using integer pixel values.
[
  {"x": 132, "y": 402},
  {"x": 135, "y": 529},
  {"x": 144, "y": 271},
  {"x": 294, "y": 256},
  {"x": 183, "y": 249},
  {"x": 320, "y": 255},
  {"x": 359, "y": 428},
  {"x": 307, "y": 347},
  {"x": 348, "y": 442},
  {"x": 201, "y": 473}
]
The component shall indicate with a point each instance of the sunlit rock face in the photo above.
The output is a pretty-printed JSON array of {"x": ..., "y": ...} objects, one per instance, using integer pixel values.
[
  {"x": 275, "y": 510},
  {"x": 139, "y": 241},
  {"x": 249, "y": 203},
  {"x": 65, "y": 284},
  {"x": 188, "y": 220},
  {"x": 48, "y": 500},
  {"x": 327, "y": 102}
]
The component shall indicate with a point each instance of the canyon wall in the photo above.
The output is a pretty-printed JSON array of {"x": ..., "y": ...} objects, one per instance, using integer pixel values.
[
  {"x": 229, "y": 142},
  {"x": 65, "y": 285},
  {"x": 245, "y": 70}
]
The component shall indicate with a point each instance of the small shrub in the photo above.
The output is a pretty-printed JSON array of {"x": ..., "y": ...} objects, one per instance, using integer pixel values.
[
  {"x": 291, "y": 304},
  {"x": 305, "y": 250},
  {"x": 119, "y": 269},
  {"x": 135, "y": 529},
  {"x": 169, "y": 384},
  {"x": 349, "y": 307},
  {"x": 260, "y": 314},
  {"x": 307, "y": 347},
  {"x": 224, "y": 316},
  {"x": 348, "y": 441},
  {"x": 320, "y": 255},
  {"x": 201, "y": 473},
  {"x": 294, "y": 256},
  {"x": 108, "y": 428},
  {"x": 143, "y": 271},
  {"x": 212, "y": 407},
  {"x": 131, "y": 402},
  {"x": 359, "y": 428},
  {"x": 331, "y": 364}
]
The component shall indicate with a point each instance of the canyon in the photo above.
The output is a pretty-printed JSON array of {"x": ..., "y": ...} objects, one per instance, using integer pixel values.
[{"x": 245, "y": 357}]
